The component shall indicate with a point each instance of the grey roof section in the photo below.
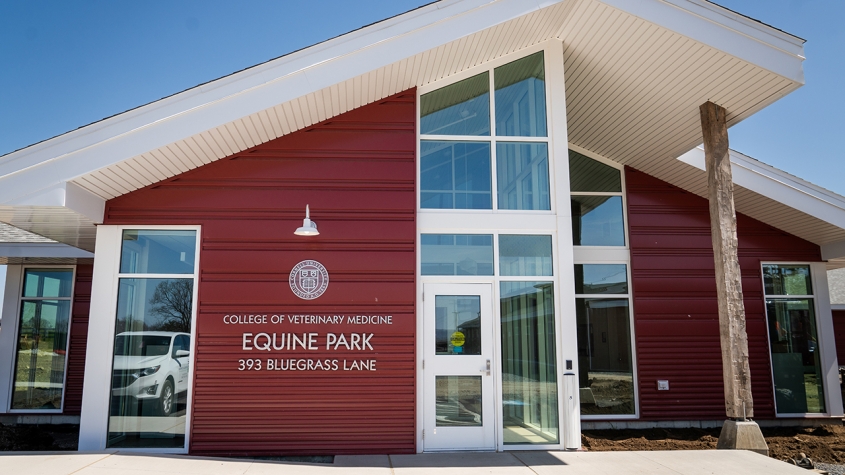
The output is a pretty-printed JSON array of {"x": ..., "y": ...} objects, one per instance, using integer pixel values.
[
  {"x": 836, "y": 283},
  {"x": 9, "y": 233}
]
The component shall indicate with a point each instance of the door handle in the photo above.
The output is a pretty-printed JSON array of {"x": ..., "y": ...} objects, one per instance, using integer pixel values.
[{"x": 487, "y": 371}]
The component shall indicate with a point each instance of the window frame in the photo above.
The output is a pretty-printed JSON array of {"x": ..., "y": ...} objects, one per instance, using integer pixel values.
[
  {"x": 598, "y": 252},
  {"x": 493, "y": 138},
  {"x": 16, "y": 288},
  {"x": 631, "y": 332},
  {"x": 94, "y": 423},
  {"x": 824, "y": 335}
]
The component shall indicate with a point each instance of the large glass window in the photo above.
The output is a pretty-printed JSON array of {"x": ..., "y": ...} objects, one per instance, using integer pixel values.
[
  {"x": 459, "y": 146},
  {"x": 42, "y": 339},
  {"x": 529, "y": 376},
  {"x": 521, "y": 97},
  {"x": 523, "y": 176},
  {"x": 597, "y": 209},
  {"x": 462, "y": 108},
  {"x": 793, "y": 339},
  {"x": 455, "y": 175},
  {"x": 605, "y": 362},
  {"x": 152, "y": 342}
]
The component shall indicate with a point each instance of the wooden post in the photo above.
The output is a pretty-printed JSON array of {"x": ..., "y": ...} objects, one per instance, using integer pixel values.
[
  {"x": 737, "y": 375},
  {"x": 739, "y": 405}
]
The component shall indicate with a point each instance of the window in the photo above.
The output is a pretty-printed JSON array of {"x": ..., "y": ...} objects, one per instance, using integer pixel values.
[
  {"x": 459, "y": 145},
  {"x": 40, "y": 364},
  {"x": 152, "y": 341},
  {"x": 457, "y": 254},
  {"x": 597, "y": 211},
  {"x": 605, "y": 363},
  {"x": 793, "y": 339}
]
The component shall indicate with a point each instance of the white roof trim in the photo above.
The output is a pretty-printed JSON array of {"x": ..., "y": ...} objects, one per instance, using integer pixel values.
[{"x": 779, "y": 186}]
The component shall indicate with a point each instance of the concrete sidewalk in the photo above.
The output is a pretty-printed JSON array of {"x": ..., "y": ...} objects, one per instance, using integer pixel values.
[{"x": 685, "y": 462}]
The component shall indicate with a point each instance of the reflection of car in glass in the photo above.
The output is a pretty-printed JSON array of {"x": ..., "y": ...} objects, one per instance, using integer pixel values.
[{"x": 151, "y": 366}]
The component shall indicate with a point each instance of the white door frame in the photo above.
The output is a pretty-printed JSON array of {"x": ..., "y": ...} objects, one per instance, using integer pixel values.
[{"x": 484, "y": 365}]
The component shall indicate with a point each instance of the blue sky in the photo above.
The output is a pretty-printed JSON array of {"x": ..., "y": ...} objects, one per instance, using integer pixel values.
[{"x": 67, "y": 64}]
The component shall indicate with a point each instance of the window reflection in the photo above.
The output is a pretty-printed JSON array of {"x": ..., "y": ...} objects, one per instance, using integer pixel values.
[
  {"x": 458, "y": 401},
  {"x": 39, "y": 376},
  {"x": 462, "y": 108},
  {"x": 158, "y": 252},
  {"x": 521, "y": 97},
  {"x": 522, "y": 172},
  {"x": 586, "y": 174},
  {"x": 529, "y": 378},
  {"x": 523, "y": 254},
  {"x": 597, "y": 221},
  {"x": 457, "y": 325},
  {"x": 455, "y": 175},
  {"x": 456, "y": 254},
  {"x": 152, "y": 341},
  {"x": 604, "y": 356}
]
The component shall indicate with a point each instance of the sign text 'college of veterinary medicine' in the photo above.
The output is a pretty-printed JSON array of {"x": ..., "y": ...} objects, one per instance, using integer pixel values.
[{"x": 298, "y": 339}]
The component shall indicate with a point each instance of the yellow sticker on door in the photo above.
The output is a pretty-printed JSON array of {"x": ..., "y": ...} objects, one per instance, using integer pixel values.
[{"x": 458, "y": 339}]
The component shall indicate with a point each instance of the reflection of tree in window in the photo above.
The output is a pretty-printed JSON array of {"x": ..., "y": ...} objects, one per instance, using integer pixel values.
[{"x": 171, "y": 303}]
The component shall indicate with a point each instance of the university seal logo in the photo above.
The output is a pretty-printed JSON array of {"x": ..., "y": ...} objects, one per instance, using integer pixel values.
[{"x": 309, "y": 279}]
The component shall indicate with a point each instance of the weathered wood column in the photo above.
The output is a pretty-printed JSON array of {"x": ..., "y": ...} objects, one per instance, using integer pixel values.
[
  {"x": 737, "y": 374},
  {"x": 739, "y": 404}
]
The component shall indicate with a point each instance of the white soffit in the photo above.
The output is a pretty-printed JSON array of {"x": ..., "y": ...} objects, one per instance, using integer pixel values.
[{"x": 636, "y": 73}]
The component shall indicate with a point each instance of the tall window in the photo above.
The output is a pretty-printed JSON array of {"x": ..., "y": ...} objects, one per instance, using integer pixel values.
[
  {"x": 152, "y": 343},
  {"x": 597, "y": 214},
  {"x": 468, "y": 137},
  {"x": 793, "y": 339},
  {"x": 602, "y": 290},
  {"x": 45, "y": 304},
  {"x": 606, "y": 371}
]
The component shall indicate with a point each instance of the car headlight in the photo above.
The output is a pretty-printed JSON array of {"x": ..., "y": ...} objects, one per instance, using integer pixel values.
[{"x": 146, "y": 371}]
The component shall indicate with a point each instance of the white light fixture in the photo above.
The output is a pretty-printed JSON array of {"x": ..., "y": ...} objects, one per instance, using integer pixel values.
[{"x": 309, "y": 228}]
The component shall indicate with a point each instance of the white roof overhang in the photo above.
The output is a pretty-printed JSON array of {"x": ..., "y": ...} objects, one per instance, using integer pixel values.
[
  {"x": 636, "y": 73},
  {"x": 780, "y": 200}
]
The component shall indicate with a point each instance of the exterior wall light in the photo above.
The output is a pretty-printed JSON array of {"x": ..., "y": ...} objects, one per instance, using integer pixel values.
[{"x": 309, "y": 228}]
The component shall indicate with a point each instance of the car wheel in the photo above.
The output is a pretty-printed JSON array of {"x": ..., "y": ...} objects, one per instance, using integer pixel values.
[{"x": 167, "y": 399}]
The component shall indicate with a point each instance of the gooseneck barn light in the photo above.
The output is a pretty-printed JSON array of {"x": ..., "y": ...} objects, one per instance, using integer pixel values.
[{"x": 309, "y": 228}]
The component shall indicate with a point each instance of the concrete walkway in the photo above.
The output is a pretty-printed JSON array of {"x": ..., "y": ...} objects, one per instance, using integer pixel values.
[{"x": 686, "y": 462}]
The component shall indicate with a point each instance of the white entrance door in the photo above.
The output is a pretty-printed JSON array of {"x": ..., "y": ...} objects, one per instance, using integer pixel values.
[{"x": 458, "y": 383}]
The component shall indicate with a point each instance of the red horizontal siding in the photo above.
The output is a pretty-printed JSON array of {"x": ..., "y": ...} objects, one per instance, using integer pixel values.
[
  {"x": 357, "y": 171},
  {"x": 78, "y": 339},
  {"x": 675, "y": 307}
]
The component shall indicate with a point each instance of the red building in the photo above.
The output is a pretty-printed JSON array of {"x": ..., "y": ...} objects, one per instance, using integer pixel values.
[{"x": 477, "y": 225}]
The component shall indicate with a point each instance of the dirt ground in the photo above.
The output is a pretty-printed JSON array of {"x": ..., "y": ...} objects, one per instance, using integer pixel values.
[
  {"x": 824, "y": 444},
  {"x": 33, "y": 437}
]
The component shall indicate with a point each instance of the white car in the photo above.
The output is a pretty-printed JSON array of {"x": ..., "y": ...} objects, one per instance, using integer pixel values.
[{"x": 151, "y": 366}]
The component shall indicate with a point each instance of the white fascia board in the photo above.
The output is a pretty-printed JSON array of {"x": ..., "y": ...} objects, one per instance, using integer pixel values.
[
  {"x": 724, "y": 30},
  {"x": 779, "y": 186},
  {"x": 241, "y": 94},
  {"x": 42, "y": 250},
  {"x": 67, "y": 195}
]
